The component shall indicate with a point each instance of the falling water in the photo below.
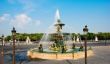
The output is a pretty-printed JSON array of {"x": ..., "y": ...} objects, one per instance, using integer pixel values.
[{"x": 46, "y": 42}]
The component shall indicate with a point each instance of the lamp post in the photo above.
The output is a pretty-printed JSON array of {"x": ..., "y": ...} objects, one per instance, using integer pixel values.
[
  {"x": 2, "y": 53},
  {"x": 105, "y": 40},
  {"x": 85, "y": 30},
  {"x": 13, "y": 36}
]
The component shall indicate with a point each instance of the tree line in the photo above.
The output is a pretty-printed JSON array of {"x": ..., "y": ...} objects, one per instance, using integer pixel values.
[
  {"x": 38, "y": 36},
  {"x": 23, "y": 36}
]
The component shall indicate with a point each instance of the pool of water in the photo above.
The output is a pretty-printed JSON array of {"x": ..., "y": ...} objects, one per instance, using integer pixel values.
[
  {"x": 19, "y": 57},
  {"x": 51, "y": 51}
]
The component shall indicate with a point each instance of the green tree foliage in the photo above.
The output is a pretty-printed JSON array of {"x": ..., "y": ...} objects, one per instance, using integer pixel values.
[
  {"x": 103, "y": 36},
  {"x": 100, "y": 35},
  {"x": 91, "y": 36},
  {"x": 23, "y": 36},
  {"x": 38, "y": 36},
  {"x": 8, "y": 38}
]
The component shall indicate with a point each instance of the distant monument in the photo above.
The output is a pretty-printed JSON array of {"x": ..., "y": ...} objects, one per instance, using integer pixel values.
[
  {"x": 74, "y": 39},
  {"x": 28, "y": 41},
  {"x": 96, "y": 38},
  {"x": 77, "y": 39}
]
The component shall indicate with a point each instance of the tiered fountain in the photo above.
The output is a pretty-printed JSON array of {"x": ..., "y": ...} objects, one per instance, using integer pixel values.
[{"x": 56, "y": 45}]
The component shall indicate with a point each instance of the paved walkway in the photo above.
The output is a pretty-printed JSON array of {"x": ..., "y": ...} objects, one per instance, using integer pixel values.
[{"x": 102, "y": 56}]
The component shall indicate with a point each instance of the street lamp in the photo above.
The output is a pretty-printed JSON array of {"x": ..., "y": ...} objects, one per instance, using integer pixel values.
[
  {"x": 2, "y": 53},
  {"x": 13, "y": 36},
  {"x": 105, "y": 40},
  {"x": 85, "y": 30}
]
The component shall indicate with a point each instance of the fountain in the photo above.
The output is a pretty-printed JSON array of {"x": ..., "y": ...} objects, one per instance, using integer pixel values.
[{"x": 57, "y": 45}]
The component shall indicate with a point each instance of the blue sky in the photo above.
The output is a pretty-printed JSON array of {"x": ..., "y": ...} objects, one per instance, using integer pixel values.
[{"x": 32, "y": 16}]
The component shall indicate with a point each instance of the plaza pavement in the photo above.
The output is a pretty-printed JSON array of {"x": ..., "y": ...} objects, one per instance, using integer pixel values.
[{"x": 101, "y": 56}]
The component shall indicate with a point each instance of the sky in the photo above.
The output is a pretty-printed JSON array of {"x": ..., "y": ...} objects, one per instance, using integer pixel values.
[{"x": 35, "y": 16}]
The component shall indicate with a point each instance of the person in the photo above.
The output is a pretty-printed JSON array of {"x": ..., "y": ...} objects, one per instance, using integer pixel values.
[
  {"x": 73, "y": 47},
  {"x": 40, "y": 48},
  {"x": 81, "y": 48},
  {"x": 63, "y": 49}
]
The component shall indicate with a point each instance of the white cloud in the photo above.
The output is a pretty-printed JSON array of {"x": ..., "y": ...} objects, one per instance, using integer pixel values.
[
  {"x": 24, "y": 21},
  {"x": 4, "y": 17},
  {"x": 20, "y": 20},
  {"x": 38, "y": 22}
]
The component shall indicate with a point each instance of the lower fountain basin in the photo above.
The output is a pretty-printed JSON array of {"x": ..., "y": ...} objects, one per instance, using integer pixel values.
[{"x": 57, "y": 56}]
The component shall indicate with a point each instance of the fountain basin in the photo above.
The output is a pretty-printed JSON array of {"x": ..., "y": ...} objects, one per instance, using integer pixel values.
[{"x": 58, "y": 56}]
